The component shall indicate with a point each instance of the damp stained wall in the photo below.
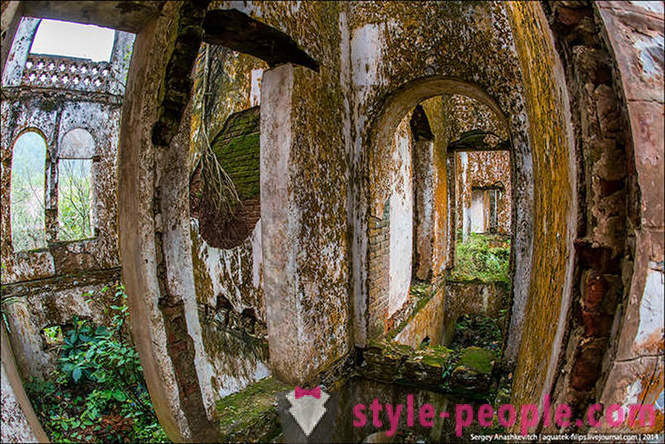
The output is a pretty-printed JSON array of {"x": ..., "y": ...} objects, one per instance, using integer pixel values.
[
  {"x": 227, "y": 281},
  {"x": 554, "y": 203},
  {"x": 397, "y": 60},
  {"x": 318, "y": 163}
]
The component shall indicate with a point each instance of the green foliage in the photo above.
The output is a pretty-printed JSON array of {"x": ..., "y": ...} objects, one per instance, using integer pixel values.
[
  {"x": 479, "y": 330},
  {"x": 74, "y": 199},
  {"x": 97, "y": 393},
  {"x": 27, "y": 192},
  {"x": 483, "y": 257}
]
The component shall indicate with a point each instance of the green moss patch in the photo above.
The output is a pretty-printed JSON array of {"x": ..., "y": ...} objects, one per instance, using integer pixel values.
[
  {"x": 237, "y": 148},
  {"x": 251, "y": 414},
  {"x": 478, "y": 359},
  {"x": 435, "y": 356}
]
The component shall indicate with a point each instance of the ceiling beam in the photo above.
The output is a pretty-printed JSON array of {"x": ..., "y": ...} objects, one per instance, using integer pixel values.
[
  {"x": 122, "y": 15},
  {"x": 240, "y": 32}
]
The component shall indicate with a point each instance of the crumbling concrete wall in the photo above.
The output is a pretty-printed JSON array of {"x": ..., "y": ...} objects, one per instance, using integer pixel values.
[
  {"x": 378, "y": 61},
  {"x": 427, "y": 322},
  {"x": 389, "y": 43},
  {"x": 47, "y": 286},
  {"x": 635, "y": 374},
  {"x": 317, "y": 243},
  {"x": 161, "y": 285},
  {"x": 228, "y": 282},
  {"x": 554, "y": 211},
  {"x": 608, "y": 358}
]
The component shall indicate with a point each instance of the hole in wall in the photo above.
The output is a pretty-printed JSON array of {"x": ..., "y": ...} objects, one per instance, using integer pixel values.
[{"x": 225, "y": 187}]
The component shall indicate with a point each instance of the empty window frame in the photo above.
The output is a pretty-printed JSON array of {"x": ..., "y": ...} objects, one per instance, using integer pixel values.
[
  {"x": 27, "y": 192},
  {"x": 485, "y": 209},
  {"x": 75, "y": 186}
]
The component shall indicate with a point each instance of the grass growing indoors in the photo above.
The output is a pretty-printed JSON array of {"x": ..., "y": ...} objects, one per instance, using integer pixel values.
[{"x": 483, "y": 257}]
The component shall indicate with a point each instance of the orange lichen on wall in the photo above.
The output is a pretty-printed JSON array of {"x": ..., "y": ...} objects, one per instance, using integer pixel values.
[
  {"x": 434, "y": 110},
  {"x": 553, "y": 200}
]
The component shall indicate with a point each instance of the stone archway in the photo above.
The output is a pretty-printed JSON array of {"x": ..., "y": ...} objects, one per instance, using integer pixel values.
[{"x": 395, "y": 107}]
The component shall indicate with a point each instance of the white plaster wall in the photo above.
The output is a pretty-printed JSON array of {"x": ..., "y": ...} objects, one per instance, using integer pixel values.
[
  {"x": 361, "y": 73},
  {"x": 652, "y": 307},
  {"x": 401, "y": 220},
  {"x": 466, "y": 213},
  {"x": 477, "y": 212}
]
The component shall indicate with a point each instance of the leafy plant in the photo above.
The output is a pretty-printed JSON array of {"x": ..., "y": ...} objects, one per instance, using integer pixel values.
[
  {"x": 97, "y": 392},
  {"x": 483, "y": 257},
  {"x": 478, "y": 330}
]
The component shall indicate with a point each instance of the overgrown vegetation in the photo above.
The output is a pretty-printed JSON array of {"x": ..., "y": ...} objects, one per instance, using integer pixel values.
[
  {"x": 484, "y": 257},
  {"x": 97, "y": 392},
  {"x": 479, "y": 330}
]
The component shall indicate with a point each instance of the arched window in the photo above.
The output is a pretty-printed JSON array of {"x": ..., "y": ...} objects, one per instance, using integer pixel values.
[
  {"x": 27, "y": 192},
  {"x": 75, "y": 186},
  {"x": 67, "y": 39}
]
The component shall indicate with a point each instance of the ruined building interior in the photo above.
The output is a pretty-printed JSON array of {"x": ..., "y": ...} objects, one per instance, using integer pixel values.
[{"x": 462, "y": 201}]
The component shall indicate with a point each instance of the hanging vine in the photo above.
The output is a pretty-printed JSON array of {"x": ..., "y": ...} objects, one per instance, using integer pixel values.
[{"x": 219, "y": 192}]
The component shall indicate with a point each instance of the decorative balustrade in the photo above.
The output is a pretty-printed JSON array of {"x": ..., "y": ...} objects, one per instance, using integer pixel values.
[{"x": 42, "y": 71}]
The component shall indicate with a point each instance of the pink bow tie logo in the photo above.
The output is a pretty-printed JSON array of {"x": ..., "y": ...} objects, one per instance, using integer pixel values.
[{"x": 315, "y": 392}]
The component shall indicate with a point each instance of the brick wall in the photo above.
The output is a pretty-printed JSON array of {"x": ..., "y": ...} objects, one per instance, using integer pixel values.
[{"x": 379, "y": 272}]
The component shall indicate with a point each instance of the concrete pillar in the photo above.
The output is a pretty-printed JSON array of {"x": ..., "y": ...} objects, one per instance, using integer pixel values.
[
  {"x": 19, "y": 422},
  {"x": 423, "y": 187},
  {"x": 14, "y": 62},
  {"x": 423, "y": 206},
  {"x": 278, "y": 222},
  {"x": 303, "y": 227},
  {"x": 451, "y": 223},
  {"x": 11, "y": 17}
]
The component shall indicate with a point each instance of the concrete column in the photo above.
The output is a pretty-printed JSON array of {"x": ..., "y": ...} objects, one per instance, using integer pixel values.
[
  {"x": 303, "y": 226},
  {"x": 278, "y": 222},
  {"x": 121, "y": 56},
  {"x": 451, "y": 223},
  {"x": 11, "y": 17},
  {"x": 423, "y": 179},
  {"x": 423, "y": 190},
  {"x": 18, "y": 49}
]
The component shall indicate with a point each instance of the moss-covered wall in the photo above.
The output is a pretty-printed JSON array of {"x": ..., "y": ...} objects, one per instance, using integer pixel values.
[
  {"x": 318, "y": 165},
  {"x": 398, "y": 59},
  {"x": 441, "y": 236},
  {"x": 228, "y": 282},
  {"x": 554, "y": 204}
]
